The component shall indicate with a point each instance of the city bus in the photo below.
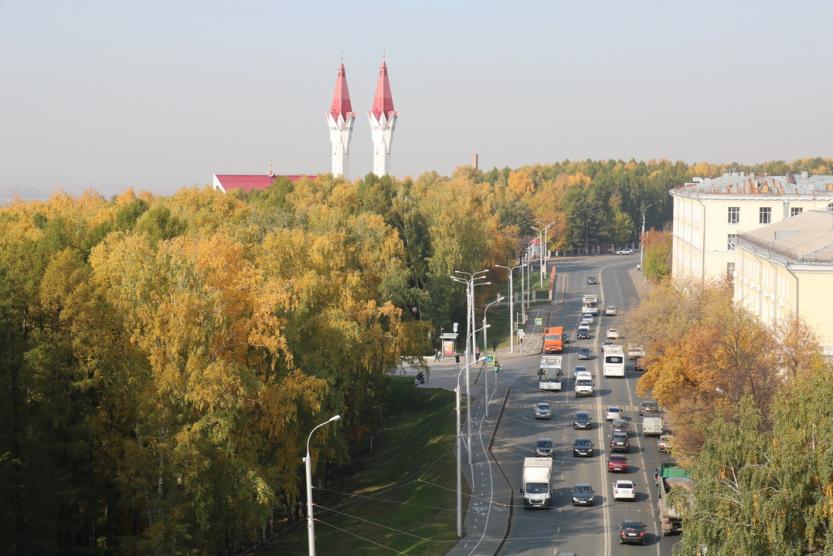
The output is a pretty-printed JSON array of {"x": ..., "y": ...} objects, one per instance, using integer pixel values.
[
  {"x": 550, "y": 374},
  {"x": 613, "y": 363}
]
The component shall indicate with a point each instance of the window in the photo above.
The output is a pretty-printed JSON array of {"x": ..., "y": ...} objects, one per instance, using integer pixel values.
[
  {"x": 734, "y": 215},
  {"x": 765, "y": 215},
  {"x": 795, "y": 211},
  {"x": 731, "y": 241}
]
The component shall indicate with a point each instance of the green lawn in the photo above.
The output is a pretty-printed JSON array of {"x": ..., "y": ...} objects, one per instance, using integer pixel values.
[{"x": 406, "y": 484}]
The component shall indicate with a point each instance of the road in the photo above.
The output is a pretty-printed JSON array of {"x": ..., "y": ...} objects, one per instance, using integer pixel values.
[{"x": 565, "y": 528}]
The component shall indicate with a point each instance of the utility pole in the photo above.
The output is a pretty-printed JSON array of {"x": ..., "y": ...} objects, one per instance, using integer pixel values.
[
  {"x": 510, "y": 270},
  {"x": 642, "y": 241},
  {"x": 308, "y": 472}
]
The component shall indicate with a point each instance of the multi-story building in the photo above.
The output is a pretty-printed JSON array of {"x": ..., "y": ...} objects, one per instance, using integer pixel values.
[
  {"x": 785, "y": 270},
  {"x": 710, "y": 213}
]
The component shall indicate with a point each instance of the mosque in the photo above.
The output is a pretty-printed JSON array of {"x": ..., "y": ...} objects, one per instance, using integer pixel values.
[{"x": 382, "y": 118}]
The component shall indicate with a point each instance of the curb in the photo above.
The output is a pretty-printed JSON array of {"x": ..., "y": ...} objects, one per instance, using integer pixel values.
[{"x": 502, "y": 474}]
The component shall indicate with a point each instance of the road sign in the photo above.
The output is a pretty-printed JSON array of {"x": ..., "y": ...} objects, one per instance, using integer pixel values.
[
  {"x": 490, "y": 359},
  {"x": 539, "y": 321}
]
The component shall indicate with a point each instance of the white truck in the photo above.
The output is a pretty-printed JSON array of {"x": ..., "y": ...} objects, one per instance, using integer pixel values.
[
  {"x": 590, "y": 304},
  {"x": 635, "y": 351},
  {"x": 652, "y": 425},
  {"x": 536, "y": 482},
  {"x": 550, "y": 374}
]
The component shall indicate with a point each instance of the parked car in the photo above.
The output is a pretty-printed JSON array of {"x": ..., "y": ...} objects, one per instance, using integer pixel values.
[
  {"x": 610, "y": 311},
  {"x": 584, "y": 353},
  {"x": 591, "y": 281},
  {"x": 583, "y": 495},
  {"x": 617, "y": 463},
  {"x": 583, "y": 447},
  {"x": 544, "y": 447},
  {"x": 582, "y": 421},
  {"x": 664, "y": 444},
  {"x": 543, "y": 410},
  {"x": 624, "y": 490},
  {"x": 632, "y": 532},
  {"x": 648, "y": 407},
  {"x": 613, "y": 412},
  {"x": 619, "y": 442},
  {"x": 624, "y": 252},
  {"x": 620, "y": 425},
  {"x": 612, "y": 333}
]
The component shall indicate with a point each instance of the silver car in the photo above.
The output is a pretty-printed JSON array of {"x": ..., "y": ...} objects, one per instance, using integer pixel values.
[{"x": 543, "y": 410}]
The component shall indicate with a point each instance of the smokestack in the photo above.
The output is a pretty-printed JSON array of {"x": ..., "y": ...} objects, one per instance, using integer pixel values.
[{"x": 475, "y": 161}]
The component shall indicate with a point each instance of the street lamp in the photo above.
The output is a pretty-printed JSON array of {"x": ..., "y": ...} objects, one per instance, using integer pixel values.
[
  {"x": 642, "y": 241},
  {"x": 542, "y": 245},
  {"x": 510, "y": 269},
  {"x": 308, "y": 466}
]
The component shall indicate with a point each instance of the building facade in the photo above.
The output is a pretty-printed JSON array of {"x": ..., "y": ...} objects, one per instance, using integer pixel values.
[
  {"x": 710, "y": 213},
  {"x": 785, "y": 270}
]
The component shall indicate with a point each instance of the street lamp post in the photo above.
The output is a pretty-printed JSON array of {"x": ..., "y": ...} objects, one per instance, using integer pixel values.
[
  {"x": 642, "y": 241},
  {"x": 510, "y": 269},
  {"x": 542, "y": 245},
  {"x": 308, "y": 468}
]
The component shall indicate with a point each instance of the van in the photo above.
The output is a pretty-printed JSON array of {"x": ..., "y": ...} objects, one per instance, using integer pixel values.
[{"x": 583, "y": 332}]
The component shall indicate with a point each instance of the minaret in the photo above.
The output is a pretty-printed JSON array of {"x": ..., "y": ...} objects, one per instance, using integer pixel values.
[
  {"x": 382, "y": 123},
  {"x": 340, "y": 121}
]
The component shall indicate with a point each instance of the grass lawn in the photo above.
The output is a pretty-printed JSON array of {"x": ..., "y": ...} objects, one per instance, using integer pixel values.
[{"x": 394, "y": 488}]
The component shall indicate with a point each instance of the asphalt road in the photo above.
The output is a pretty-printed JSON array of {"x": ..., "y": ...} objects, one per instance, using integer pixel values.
[{"x": 565, "y": 528}]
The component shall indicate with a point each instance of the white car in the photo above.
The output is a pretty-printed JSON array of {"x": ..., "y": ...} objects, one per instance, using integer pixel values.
[
  {"x": 612, "y": 333},
  {"x": 610, "y": 311},
  {"x": 613, "y": 412},
  {"x": 624, "y": 490},
  {"x": 624, "y": 252},
  {"x": 585, "y": 322}
]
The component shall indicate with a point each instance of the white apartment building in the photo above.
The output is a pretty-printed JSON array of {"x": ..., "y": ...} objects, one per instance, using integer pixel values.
[
  {"x": 710, "y": 213},
  {"x": 785, "y": 270}
]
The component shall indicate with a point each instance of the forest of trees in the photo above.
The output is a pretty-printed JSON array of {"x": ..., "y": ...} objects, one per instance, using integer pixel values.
[{"x": 163, "y": 358}]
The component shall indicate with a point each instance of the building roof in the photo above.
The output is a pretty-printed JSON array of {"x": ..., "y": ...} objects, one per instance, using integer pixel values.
[
  {"x": 383, "y": 99},
  {"x": 759, "y": 185},
  {"x": 341, "y": 105},
  {"x": 248, "y": 182},
  {"x": 804, "y": 238}
]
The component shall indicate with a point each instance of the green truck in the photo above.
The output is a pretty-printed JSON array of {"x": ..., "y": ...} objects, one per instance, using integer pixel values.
[{"x": 669, "y": 477}]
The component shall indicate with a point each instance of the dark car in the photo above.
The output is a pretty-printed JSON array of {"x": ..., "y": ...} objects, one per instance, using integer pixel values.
[
  {"x": 619, "y": 442},
  {"x": 632, "y": 532},
  {"x": 607, "y": 342},
  {"x": 591, "y": 281},
  {"x": 583, "y": 447},
  {"x": 620, "y": 425},
  {"x": 583, "y": 495},
  {"x": 544, "y": 447},
  {"x": 584, "y": 353},
  {"x": 582, "y": 421},
  {"x": 617, "y": 464},
  {"x": 565, "y": 337},
  {"x": 649, "y": 407}
]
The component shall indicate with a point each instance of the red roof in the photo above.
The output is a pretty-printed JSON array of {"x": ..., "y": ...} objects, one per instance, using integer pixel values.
[
  {"x": 248, "y": 182},
  {"x": 341, "y": 105},
  {"x": 383, "y": 99}
]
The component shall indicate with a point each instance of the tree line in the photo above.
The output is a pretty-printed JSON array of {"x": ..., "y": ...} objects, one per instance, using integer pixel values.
[{"x": 162, "y": 359}]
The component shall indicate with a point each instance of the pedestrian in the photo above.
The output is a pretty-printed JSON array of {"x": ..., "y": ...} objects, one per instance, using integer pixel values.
[
  {"x": 494, "y": 346},
  {"x": 477, "y": 356},
  {"x": 437, "y": 355}
]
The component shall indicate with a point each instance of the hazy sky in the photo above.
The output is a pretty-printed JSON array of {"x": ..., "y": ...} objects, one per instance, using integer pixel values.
[{"x": 160, "y": 95}]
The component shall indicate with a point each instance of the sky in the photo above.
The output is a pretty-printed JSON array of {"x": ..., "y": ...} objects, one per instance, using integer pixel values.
[{"x": 161, "y": 95}]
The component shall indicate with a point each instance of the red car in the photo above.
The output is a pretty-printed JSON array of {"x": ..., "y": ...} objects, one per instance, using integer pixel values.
[{"x": 617, "y": 464}]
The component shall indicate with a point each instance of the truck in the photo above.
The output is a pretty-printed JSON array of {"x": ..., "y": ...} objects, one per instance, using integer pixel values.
[
  {"x": 550, "y": 374},
  {"x": 635, "y": 351},
  {"x": 670, "y": 477},
  {"x": 652, "y": 425},
  {"x": 554, "y": 339},
  {"x": 535, "y": 487}
]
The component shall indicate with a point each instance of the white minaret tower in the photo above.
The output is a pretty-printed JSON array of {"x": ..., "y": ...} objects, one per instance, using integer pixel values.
[
  {"x": 382, "y": 123},
  {"x": 340, "y": 121}
]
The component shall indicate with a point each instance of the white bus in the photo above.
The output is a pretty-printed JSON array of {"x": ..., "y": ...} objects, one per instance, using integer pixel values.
[
  {"x": 550, "y": 374},
  {"x": 614, "y": 361}
]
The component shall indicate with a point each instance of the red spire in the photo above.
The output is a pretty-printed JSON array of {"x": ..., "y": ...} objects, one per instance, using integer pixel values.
[
  {"x": 383, "y": 100},
  {"x": 341, "y": 96}
]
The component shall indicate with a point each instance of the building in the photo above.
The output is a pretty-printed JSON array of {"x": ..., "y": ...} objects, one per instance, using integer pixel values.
[
  {"x": 710, "y": 213},
  {"x": 248, "y": 182},
  {"x": 785, "y": 270},
  {"x": 340, "y": 123},
  {"x": 382, "y": 119}
]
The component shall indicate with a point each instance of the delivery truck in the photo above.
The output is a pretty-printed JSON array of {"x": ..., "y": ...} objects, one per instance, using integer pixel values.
[
  {"x": 536, "y": 489},
  {"x": 554, "y": 339}
]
